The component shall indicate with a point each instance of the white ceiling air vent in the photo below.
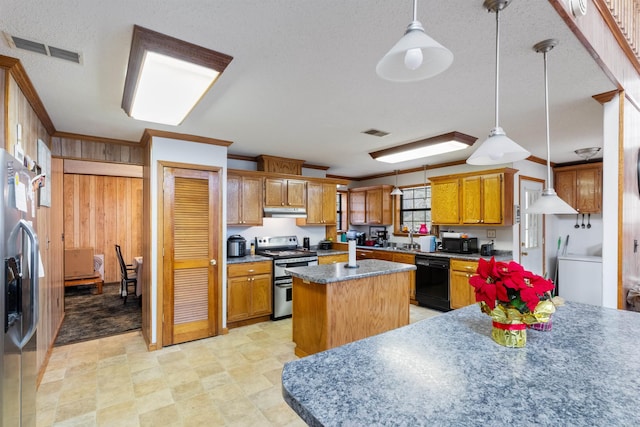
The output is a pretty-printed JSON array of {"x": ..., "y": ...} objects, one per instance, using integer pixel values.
[
  {"x": 375, "y": 132},
  {"x": 43, "y": 49}
]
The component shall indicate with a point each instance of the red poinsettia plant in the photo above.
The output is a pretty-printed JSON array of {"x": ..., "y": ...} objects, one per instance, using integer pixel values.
[{"x": 509, "y": 283}]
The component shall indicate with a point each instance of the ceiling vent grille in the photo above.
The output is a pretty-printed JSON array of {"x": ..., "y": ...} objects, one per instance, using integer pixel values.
[
  {"x": 375, "y": 132},
  {"x": 43, "y": 49}
]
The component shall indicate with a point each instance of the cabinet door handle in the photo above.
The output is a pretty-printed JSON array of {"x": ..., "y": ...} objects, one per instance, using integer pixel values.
[
  {"x": 524, "y": 253},
  {"x": 213, "y": 262}
]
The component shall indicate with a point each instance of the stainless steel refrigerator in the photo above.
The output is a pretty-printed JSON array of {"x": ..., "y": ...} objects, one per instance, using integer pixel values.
[{"x": 19, "y": 294}]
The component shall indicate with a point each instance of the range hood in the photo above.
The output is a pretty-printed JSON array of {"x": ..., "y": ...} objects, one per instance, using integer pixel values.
[{"x": 285, "y": 212}]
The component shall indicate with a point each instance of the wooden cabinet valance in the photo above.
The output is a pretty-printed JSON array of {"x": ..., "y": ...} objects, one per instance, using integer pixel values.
[
  {"x": 580, "y": 186},
  {"x": 484, "y": 198}
]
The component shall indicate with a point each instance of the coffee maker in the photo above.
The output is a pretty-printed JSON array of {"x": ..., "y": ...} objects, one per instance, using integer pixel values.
[{"x": 380, "y": 235}]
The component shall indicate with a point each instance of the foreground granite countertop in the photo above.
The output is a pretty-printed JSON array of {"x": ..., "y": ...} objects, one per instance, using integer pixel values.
[
  {"x": 330, "y": 273},
  {"x": 447, "y": 371}
]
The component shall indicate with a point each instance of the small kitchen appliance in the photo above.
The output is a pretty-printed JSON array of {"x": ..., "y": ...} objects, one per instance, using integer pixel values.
[
  {"x": 358, "y": 236},
  {"x": 460, "y": 245},
  {"x": 285, "y": 253},
  {"x": 305, "y": 243},
  {"x": 324, "y": 245},
  {"x": 486, "y": 249},
  {"x": 236, "y": 246}
]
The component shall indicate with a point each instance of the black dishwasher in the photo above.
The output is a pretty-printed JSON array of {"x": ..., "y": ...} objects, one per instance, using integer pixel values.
[{"x": 432, "y": 282}]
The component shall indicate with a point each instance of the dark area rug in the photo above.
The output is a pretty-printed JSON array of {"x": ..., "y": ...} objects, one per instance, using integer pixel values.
[{"x": 89, "y": 316}]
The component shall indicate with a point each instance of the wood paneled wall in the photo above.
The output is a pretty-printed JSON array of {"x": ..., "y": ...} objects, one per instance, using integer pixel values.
[
  {"x": 71, "y": 146},
  {"x": 100, "y": 212}
]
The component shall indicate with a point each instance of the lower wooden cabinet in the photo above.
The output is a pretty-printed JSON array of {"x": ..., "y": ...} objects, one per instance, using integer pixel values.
[
  {"x": 408, "y": 259},
  {"x": 461, "y": 292},
  {"x": 249, "y": 291}
]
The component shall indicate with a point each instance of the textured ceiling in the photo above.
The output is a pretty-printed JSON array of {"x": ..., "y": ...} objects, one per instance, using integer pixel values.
[{"x": 302, "y": 83}]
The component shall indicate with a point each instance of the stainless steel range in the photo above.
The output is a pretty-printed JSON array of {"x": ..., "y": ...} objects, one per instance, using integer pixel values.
[{"x": 285, "y": 253}]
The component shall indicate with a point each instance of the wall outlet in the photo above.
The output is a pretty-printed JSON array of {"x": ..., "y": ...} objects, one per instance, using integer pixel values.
[{"x": 491, "y": 234}]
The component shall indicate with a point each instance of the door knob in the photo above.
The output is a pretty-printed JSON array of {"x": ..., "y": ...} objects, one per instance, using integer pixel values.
[{"x": 213, "y": 262}]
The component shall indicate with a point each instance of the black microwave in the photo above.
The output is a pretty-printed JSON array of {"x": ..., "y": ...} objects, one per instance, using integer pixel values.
[{"x": 460, "y": 245}]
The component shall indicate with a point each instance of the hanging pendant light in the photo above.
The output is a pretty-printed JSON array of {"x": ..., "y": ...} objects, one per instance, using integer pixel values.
[
  {"x": 497, "y": 148},
  {"x": 548, "y": 202},
  {"x": 416, "y": 56},
  {"x": 396, "y": 191}
]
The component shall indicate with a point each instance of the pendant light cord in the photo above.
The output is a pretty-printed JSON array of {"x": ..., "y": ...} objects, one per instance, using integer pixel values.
[
  {"x": 497, "y": 63},
  {"x": 546, "y": 109},
  {"x": 415, "y": 10}
]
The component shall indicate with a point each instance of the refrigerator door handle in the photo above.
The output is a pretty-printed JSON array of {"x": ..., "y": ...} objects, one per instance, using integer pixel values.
[{"x": 33, "y": 277}]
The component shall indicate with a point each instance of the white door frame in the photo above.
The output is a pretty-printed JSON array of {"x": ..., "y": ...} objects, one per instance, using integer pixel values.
[{"x": 541, "y": 267}]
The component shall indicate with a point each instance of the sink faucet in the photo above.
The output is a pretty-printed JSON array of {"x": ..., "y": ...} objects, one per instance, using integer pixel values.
[{"x": 410, "y": 238}]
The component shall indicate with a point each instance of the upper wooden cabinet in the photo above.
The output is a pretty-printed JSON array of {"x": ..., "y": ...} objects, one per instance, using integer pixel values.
[
  {"x": 321, "y": 204},
  {"x": 473, "y": 198},
  {"x": 580, "y": 186},
  {"x": 370, "y": 205},
  {"x": 244, "y": 200},
  {"x": 482, "y": 199},
  {"x": 285, "y": 192},
  {"x": 445, "y": 201}
]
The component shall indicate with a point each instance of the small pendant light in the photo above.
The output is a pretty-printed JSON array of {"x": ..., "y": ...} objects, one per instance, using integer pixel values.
[
  {"x": 396, "y": 191},
  {"x": 548, "y": 202},
  {"x": 416, "y": 56},
  {"x": 497, "y": 148}
]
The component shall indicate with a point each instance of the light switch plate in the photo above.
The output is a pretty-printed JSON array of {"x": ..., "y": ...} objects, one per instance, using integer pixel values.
[{"x": 491, "y": 234}]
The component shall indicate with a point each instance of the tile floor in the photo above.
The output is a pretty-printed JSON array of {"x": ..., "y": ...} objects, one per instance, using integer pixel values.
[{"x": 229, "y": 380}]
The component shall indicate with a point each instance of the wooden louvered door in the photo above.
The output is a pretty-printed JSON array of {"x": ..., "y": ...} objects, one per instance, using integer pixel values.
[{"x": 191, "y": 226}]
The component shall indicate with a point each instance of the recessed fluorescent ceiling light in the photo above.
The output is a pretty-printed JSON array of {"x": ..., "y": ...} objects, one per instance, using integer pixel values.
[
  {"x": 452, "y": 141},
  {"x": 169, "y": 88},
  {"x": 167, "y": 77}
]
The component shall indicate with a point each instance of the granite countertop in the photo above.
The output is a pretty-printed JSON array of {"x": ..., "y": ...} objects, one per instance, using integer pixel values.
[
  {"x": 499, "y": 255},
  {"x": 248, "y": 258},
  {"x": 447, "y": 371},
  {"x": 330, "y": 273}
]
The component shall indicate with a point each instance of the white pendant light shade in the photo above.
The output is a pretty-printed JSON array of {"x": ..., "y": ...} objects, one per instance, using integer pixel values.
[
  {"x": 416, "y": 56},
  {"x": 497, "y": 148},
  {"x": 550, "y": 203},
  {"x": 396, "y": 191}
]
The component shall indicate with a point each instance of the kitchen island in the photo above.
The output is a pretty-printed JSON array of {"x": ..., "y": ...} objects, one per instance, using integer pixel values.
[
  {"x": 334, "y": 305},
  {"x": 448, "y": 371}
]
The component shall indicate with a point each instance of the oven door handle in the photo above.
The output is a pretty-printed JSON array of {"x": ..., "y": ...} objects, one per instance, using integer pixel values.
[{"x": 284, "y": 285}]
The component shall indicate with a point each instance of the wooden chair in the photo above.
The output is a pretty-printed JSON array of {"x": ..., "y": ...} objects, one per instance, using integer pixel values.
[{"x": 128, "y": 276}]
